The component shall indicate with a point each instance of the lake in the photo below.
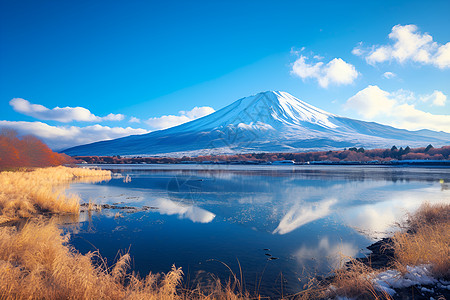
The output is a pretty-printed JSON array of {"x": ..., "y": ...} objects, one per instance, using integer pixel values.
[{"x": 275, "y": 223}]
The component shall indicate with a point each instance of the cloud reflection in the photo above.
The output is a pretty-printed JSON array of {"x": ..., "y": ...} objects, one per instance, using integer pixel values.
[
  {"x": 377, "y": 219},
  {"x": 304, "y": 213},
  {"x": 191, "y": 212},
  {"x": 326, "y": 253}
]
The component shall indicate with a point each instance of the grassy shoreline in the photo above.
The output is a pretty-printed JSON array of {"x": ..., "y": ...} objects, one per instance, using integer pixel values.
[
  {"x": 26, "y": 194},
  {"x": 422, "y": 243},
  {"x": 38, "y": 262}
]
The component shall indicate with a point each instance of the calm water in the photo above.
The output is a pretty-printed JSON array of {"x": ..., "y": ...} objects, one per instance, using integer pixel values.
[{"x": 206, "y": 216}]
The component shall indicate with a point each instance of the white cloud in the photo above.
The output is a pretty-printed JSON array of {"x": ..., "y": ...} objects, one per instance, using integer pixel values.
[
  {"x": 436, "y": 98},
  {"x": 337, "y": 71},
  {"x": 168, "y": 121},
  {"x": 164, "y": 122},
  {"x": 371, "y": 102},
  {"x": 113, "y": 117},
  {"x": 358, "y": 51},
  {"x": 389, "y": 75},
  {"x": 442, "y": 58},
  {"x": 396, "y": 108},
  {"x": 403, "y": 96},
  {"x": 134, "y": 120},
  {"x": 409, "y": 117},
  {"x": 60, "y": 114},
  {"x": 60, "y": 137},
  {"x": 408, "y": 45},
  {"x": 198, "y": 112}
]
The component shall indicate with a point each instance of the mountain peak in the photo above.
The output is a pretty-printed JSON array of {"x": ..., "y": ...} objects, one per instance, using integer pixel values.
[
  {"x": 270, "y": 121},
  {"x": 278, "y": 106}
]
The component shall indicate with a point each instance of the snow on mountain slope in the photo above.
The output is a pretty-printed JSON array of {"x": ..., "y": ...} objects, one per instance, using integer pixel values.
[{"x": 266, "y": 122}]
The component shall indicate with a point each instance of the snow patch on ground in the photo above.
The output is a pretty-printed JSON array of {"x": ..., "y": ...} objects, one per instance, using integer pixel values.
[{"x": 389, "y": 280}]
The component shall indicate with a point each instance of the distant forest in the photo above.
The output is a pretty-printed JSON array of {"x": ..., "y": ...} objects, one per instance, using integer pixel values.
[
  {"x": 27, "y": 151},
  {"x": 347, "y": 155}
]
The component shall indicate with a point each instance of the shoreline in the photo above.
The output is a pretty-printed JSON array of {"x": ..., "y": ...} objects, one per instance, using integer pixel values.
[
  {"x": 427, "y": 163},
  {"x": 382, "y": 258}
]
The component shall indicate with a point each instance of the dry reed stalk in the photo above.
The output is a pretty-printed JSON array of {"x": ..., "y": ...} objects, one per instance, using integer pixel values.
[
  {"x": 426, "y": 241},
  {"x": 26, "y": 194},
  {"x": 355, "y": 281},
  {"x": 36, "y": 262},
  {"x": 94, "y": 207},
  {"x": 428, "y": 214}
]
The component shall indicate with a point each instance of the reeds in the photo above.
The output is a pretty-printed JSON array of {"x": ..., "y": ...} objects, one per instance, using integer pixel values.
[
  {"x": 24, "y": 194},
  {"x": 354, "y": 282},
  {"x": 426, "y": 240},
  {"x": 36, "y": 262}
]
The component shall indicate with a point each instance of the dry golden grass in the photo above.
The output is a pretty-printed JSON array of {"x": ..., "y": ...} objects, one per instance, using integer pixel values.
[
  {"x": 36, "y": 262},
  {"x": 233, "y": 289},
  {"x": 25, "y": 194},
  {"x": 355, "y": 281},
  {"x": 428, "y": 214},
  {"x": 426, "y": 241},
  {"x": 313, "y": 289},
  {"x": 93, "y": 206}
]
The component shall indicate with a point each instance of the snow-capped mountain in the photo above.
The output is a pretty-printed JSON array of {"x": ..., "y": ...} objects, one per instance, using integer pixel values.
[{"x": 266, "y": 122}]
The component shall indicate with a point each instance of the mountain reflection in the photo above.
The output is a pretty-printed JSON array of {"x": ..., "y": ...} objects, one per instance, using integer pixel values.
[{"x": 277, "y": 201}]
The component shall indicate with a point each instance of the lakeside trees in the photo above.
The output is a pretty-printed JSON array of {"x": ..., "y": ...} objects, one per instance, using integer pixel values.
[
  {"x": 26, "y": 151},
  {"x": 352, "y": 154}
]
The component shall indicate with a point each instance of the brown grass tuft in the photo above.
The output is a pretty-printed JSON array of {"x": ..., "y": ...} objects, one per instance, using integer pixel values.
[
  {"x": 426, "y": 241},
  {"x": 25, "y": 194},
  {"x": 428, "y": 214},
  {"x": 93, "y": 206},
  {"x": 36, "y": 262},
  {"x": 354, "y": 281}
]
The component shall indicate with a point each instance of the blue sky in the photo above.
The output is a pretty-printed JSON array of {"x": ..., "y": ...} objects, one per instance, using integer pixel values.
[{"x": 109, "y": 62}]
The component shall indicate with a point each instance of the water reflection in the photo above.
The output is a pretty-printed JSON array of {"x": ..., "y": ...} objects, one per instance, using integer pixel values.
[
  {"x": 191, "y": 212},
  {"x": 326, "y": 254},
  {"x": 377, "y": 219},
  {"x": 303, "y": 213},
  {"x": 309, "y": 218},
  {"x": 278, "y": 201}
]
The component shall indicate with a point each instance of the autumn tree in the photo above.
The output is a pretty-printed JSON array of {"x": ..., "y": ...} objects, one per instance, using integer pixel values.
[{"x": 26, "y": 151}]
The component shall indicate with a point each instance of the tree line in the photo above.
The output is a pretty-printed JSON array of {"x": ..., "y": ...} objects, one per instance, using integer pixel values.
[{"x": 351, "y": 154}]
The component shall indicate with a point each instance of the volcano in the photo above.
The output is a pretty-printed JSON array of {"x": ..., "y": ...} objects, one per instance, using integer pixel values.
[{"x": 271, "y": 121}]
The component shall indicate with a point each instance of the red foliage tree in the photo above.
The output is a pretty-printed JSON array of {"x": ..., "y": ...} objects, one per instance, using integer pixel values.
[{"x": 27, "y": 151}]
